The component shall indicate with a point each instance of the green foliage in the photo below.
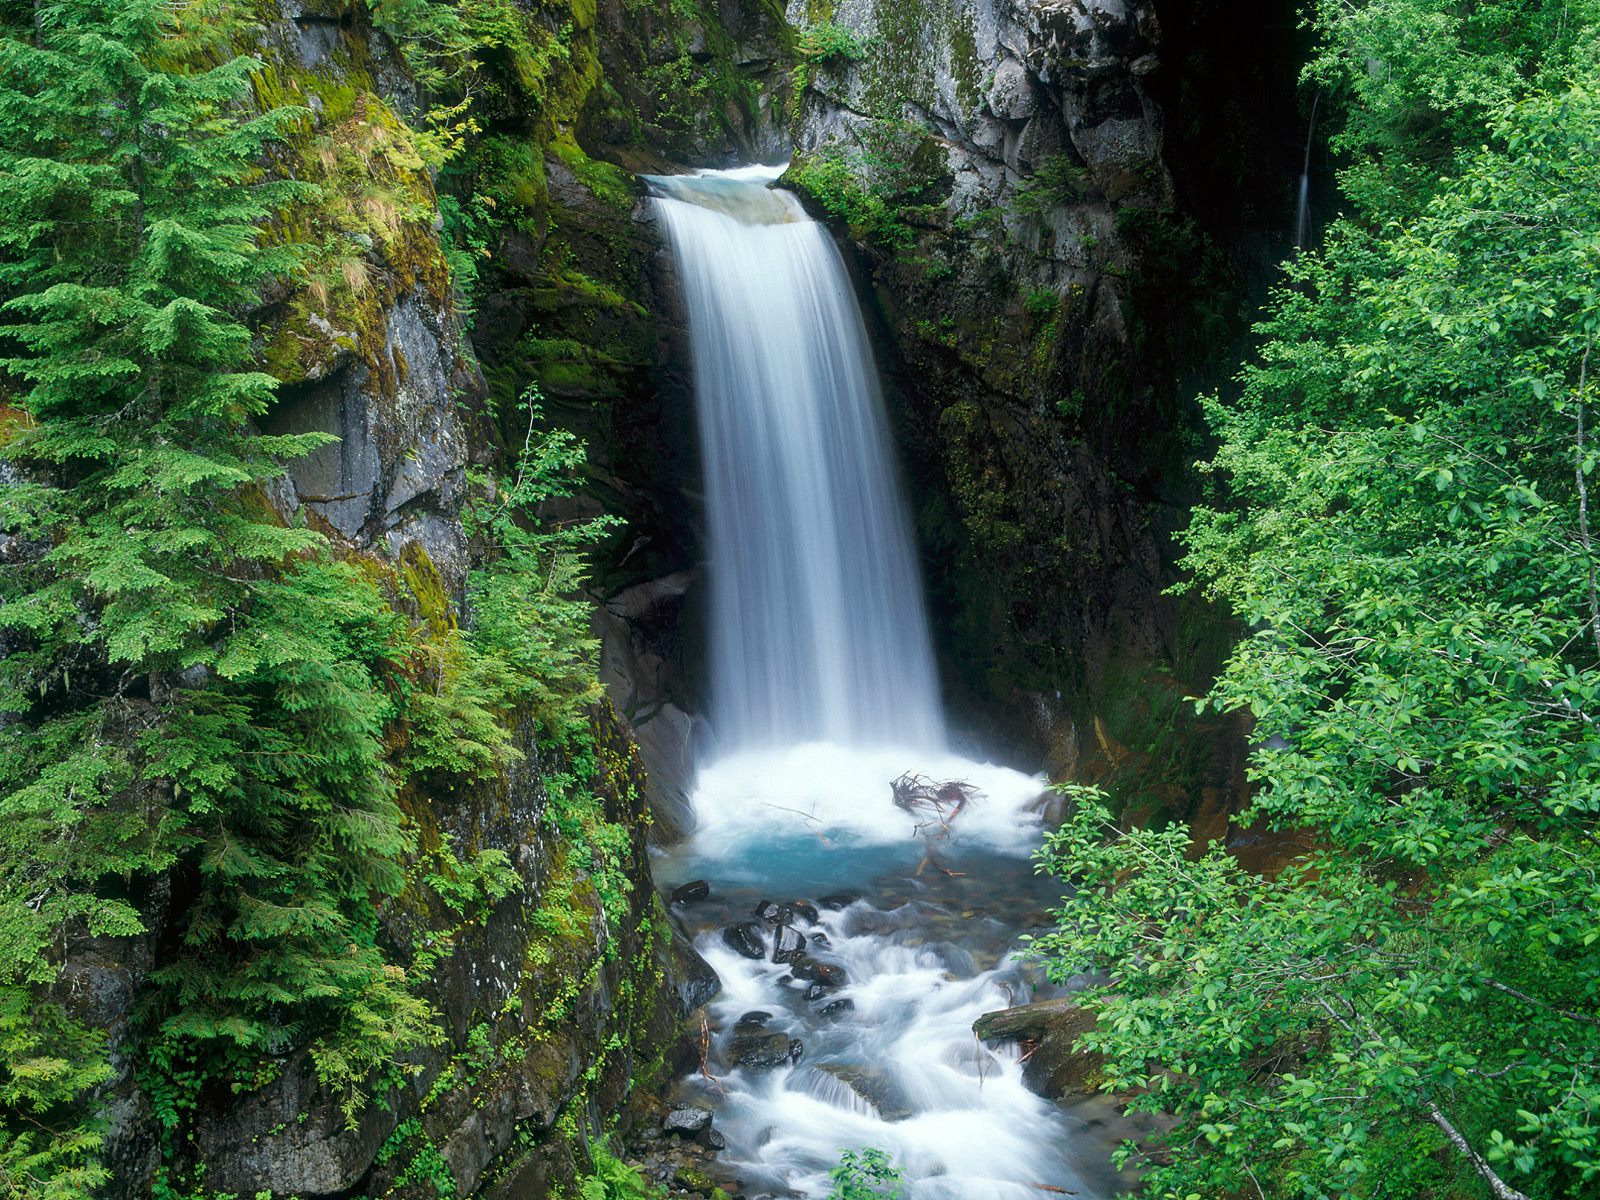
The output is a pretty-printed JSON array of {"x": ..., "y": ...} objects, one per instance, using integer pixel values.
[
  {"x": 609, "y": 1178},
  {"x": 826, "y": 42},
  {"x": 878, "y": 187},
  {"x": 189, "y": 686},
  {"x": 1058, "y": 181},
  {"x": 1414, "y": 1006},
  {"x": 865, "y": 1175}
]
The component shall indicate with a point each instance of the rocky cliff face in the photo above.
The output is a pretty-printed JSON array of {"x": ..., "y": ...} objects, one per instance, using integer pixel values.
[{"x": 999, "y": 167}]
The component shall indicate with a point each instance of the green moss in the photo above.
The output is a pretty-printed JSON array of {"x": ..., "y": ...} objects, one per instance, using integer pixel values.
[
  {"x": 976, "y": 482},
  {"x": 426, "y": 586},
  {"x": 610, "y": 184}
]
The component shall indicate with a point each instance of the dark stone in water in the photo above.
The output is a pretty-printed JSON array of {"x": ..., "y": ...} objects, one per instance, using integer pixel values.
[
  {"x": 1055, "y": 1068},
  {"x": 764, "y": 1050},
  {"x": 820, "y": 938},
  {"x": 686, "y": 1120},
  {"x": 773, "y": 912},
  {"x": 874, "y": 1085},
  {"x": 827, "y": 974},
  {"x": 691, "y": 892},
  {"x": 805, "y": 910},
  {"x": 789, "y": 946},
  {"x": 712, "y": 1140},
  {"x": 837, "y": 1009},
  {"x": 839, "y": 900},
  {"x": 753, "y": 1019},
  {"x": 817, "y": 991},
  {"x": 745, "y": 938},
  {"x": 696, "y": 981}
]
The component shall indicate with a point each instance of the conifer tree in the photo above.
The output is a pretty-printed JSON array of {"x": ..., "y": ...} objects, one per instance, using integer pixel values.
[{"x": 189, "y": 683}]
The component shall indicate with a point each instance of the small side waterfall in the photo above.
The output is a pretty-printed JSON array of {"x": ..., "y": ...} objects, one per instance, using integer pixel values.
[
  {"x": 818, "y": 626},
  {"x": 1302, "y": 214}
]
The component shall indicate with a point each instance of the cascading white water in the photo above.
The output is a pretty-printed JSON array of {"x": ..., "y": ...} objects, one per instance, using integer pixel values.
[{"x": 817, "y": 623}]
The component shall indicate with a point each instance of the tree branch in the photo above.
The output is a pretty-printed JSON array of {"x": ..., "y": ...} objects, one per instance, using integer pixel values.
[{"x": 1501, "y": 1189}]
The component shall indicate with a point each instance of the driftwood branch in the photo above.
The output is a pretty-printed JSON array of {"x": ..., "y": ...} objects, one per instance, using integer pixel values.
[{"x": 941, "y": 803}]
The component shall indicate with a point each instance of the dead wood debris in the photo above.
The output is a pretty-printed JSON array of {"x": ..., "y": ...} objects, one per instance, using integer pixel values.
[{"x": 939, "y": 803}]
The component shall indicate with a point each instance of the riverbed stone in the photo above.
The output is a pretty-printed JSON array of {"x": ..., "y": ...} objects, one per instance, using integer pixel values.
[
  {"x": 789, "y": 945},
  {"x": 774, "y": 912},
  {"x": 827, "y": 974},
  {"x": 692, "y": 892},
  {"x": 837, "y": 1009},
  {"x": 1055, "y": 1067},
  {"x": 686, "y": 1120},
  {"x": 875, "y": 1085},
  {"x": 745, "y": 938},
  {"x": 764, "y": 1050}
]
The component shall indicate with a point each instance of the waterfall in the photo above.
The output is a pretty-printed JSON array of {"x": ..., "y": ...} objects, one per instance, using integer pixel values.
[
  {"x": 818, "y": 631},
  {"x": 823, "y": 692},
  {"x": 1302, "y": 216}
]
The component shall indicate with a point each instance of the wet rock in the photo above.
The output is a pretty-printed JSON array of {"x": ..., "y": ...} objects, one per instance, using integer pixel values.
[
  {"x": 764, "y": 1050},
  {"x": 753, "y": 1019},
  {"x": 837, "y": 1009},
  {"x": 789, "y": 946},
  {"x": 805, "y": 910},
  {"x": 1055, "y": 1068},
  {"x": 774, "y": 912},
  {"x": 819, "y": 938},
  {"x": 817, "y": 991},
  {"x": 692, "y": 892},
  {"x": 827, "y": 974},
  {"x": 686, "y": 1120},
  {"x": 695, "y": 979},
  {"x": 838, "y": 900},
  {"x": 745, "y": 938},
  {"x": 874, "y": 1085},
  {"x": 712, "y": 1140}
]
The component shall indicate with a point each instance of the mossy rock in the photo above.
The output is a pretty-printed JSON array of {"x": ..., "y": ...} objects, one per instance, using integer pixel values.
[{"x": 1056, "y": 1068}]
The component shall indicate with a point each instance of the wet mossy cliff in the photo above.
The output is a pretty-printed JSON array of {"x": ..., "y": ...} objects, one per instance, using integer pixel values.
[{"x": 559, "y": 988}]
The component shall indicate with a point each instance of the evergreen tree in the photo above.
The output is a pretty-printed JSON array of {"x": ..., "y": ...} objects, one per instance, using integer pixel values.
[{"x": 189, "y": 683}]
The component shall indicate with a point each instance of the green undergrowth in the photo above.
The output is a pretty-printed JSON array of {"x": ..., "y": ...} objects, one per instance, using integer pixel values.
[{"x": 881, "y": 188}]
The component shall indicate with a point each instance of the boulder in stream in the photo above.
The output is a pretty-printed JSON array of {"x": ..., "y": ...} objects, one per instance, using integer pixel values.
[
  {"x": 1055, "y": 1068},
  {"x": 875, "y": 1085},
  {"x": 745, "y": 938},
  {"x": 805, "y": 911},
  {"x": 686, "y": 1120},
  {"x": 691, "y": 893},
  {"x": 789, "y": 945},
  {"x": 773, "y": 912},
  {"x": 836, "y": 1009},
  {"x": 838, "y": 900},
  {"x": 763, "y": 1050},
  {"x": 829, "y": 975}
]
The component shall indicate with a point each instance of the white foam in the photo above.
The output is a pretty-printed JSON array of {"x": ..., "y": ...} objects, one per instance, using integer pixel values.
[{"x": 841, "y": 795}]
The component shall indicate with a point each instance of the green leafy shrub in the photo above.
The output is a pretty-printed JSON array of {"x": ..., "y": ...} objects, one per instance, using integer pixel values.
[
  {"x": 826, "y": 42},
  {"x": 866, "y": 1175},
  {"x": 1401, "y": 517}
]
